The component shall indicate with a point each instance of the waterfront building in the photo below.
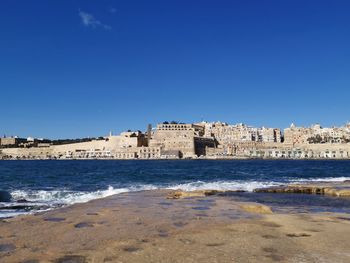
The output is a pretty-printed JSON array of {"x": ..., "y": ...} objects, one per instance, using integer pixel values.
[
  {"x": 201, "y": 140},
  {"x": 186, "y": 138}
]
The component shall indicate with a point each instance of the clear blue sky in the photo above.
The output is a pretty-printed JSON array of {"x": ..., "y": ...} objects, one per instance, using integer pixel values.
[{"x": 82, "y": 68}]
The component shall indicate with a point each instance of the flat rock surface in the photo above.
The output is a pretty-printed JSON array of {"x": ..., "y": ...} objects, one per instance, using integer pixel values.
[
  {"x": 340, "y": 189},
  {"x": 148, "y": 227}
]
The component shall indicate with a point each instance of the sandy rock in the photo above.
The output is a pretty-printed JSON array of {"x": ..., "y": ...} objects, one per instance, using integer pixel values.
[
  {"x": 200, "y": 193},
  {"x": 256, "y": 208},
  {"x": 325, "y": 189}
]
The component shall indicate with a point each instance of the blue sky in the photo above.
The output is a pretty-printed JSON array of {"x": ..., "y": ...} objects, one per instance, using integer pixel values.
[{"x": 83, "y": 68}]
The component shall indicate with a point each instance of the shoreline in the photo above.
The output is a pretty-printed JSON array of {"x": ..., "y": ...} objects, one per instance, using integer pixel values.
[
  {"x": 148, "y": 226},
  {"x": 184, "y": 159}
]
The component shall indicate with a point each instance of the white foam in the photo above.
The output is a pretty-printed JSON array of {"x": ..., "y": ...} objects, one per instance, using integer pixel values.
[
  {"x": 8, "y": 214},
  {"x": 72, "y": 197},
  {"x": 224, "y": 185},
  {"x": 64, "y": 196},
  {"x": 325, "y": 179}
]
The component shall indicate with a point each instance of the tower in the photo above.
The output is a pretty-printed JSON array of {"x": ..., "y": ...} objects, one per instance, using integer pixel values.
[{"x": 149, "y": 132}]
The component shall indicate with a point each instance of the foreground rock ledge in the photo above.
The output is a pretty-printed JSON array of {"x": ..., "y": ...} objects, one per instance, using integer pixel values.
[{"x": 340, "y": 189}]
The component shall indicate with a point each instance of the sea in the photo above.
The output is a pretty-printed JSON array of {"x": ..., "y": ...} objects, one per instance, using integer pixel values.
[{"x": 30, "y": 186}]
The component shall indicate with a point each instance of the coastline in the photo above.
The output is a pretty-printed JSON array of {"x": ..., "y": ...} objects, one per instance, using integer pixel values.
[
  {"x": 148, "y": 226},
  {"x": 180, "y": 159}
]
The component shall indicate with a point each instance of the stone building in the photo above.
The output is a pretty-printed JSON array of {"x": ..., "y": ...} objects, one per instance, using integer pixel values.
[
  {"x": 296, "y": 135},
  {"x": 125, "y": 153},
  {"x": 148, "y": 152},
  {"x": 186, "y": 138},
  {"x": 11, "y": 141},
  {"x": 316, "y": 135},
  {"x": 201, "y": 140}
]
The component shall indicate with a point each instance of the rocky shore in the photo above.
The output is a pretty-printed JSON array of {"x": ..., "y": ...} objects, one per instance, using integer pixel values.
[
  {"x": 340, "y": 189},
  {"x": 175, "y": 226}
]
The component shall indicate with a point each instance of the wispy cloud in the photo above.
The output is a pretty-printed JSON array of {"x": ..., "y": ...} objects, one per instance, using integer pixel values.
[
  {"x": 113, "y": 10},
  {"x": 90, "y": 21}
]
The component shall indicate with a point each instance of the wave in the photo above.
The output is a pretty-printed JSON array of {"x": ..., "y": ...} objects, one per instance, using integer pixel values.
[
  {"x": 72, "y": 197},
  {"x": 324, "y": 179},
  {"x": 31, "y": 201},
  {"x": 224, "y": 185}
]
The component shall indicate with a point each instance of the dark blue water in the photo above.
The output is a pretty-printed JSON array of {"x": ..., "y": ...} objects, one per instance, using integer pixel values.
[{"x": 53, "y": 183}]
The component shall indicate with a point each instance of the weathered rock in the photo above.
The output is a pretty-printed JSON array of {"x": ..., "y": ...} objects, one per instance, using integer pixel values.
[
  {"x": 71, "y": 259},
  {"x": 322, "y": 189},
  {"x": 184, "y": 194},
  {"x": 178, "y": 194},
  {"x": 256, "y": 208}
]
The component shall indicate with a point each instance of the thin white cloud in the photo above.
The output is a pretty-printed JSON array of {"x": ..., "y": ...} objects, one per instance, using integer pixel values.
[
  {"x": 113, "y": 10},
  {"x": 90, "y": 21}
]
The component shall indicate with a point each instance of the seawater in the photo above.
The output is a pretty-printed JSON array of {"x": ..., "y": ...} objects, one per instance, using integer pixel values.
[{"x": 42, "y": 185}]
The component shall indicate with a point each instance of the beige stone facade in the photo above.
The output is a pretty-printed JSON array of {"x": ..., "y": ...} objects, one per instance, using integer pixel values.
[
  {"x": 149, "y": 152},
  {"x": 316, "y": 134},
  {"x": 179, "y": 137},
  {"x": 201, "y": 140}
]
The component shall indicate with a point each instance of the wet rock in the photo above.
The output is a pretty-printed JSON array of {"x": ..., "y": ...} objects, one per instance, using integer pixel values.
[
  {"x": 54, "y": 219},
  {"x": 207, "y": 201},
  {"x": 270, "y": 224},
  {"x": 344, "y": 218},
  {"x": 180, "y": 224},
  {"x": 92, "y": 214},
  {"x": 321, "y": 189},
  {"x": 215, "y": 244},
  {"x": 165, "y": 203},
  {"x": 31, "y": 261},
  {"x": 83, "y": 224},
  {"x": 298, "y": 235},
  {"x": 276, "y": 257},
  {"x": 256, "y": 208},
  {"x": 187, "y": 241},
  {"x": 201, "y": 208},
  {"x": 199, "y": 193},
  {"x": 131, "y": 249},
  {"x": 163, "y": 233},
  {"x": 7, "y": 247},
  {"x": 268, "y": 236},
  {"x": 269, "y": 249},
  {"x": 202, "y": 215},
  {"x": 71, "y": 259}
]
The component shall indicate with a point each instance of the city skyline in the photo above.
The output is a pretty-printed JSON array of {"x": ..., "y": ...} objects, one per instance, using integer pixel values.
[
  {"x": 74, "y": 69},
  {"x": 154, "y": 125},
  {"x": 173, "y": 140}
]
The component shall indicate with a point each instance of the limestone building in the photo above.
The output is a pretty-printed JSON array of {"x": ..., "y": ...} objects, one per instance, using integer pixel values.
[{"x": 186, "y": 138}]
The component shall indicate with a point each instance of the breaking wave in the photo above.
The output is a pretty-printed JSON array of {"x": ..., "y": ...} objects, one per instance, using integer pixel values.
[
  {"x": 224, "y": 185},
  {"x": 325, "y": 179},
  {"x": 72, "y": 197},
  {"x": 31, "y": 201}
]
